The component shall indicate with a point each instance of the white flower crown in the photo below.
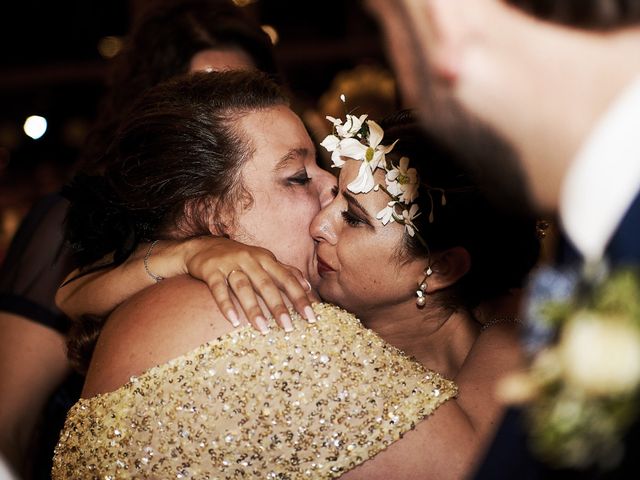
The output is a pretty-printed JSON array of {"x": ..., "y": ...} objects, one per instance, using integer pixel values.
[{"x": 360, "y": 139}]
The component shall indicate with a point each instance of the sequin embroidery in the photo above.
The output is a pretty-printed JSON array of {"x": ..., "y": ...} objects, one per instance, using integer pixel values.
[{"x": 313, "y": 403}]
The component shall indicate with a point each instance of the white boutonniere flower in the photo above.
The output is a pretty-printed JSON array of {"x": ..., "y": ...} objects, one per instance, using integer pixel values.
[
  {"x": 601, "y": 356},
  {"x": 582, "y": 391}
]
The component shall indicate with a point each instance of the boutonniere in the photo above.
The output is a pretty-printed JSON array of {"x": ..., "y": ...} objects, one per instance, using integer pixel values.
[{"x": 581, "y": 393}]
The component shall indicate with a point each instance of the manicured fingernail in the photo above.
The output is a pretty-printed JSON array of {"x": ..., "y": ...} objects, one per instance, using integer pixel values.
[
  {"x": 286, "y": 322},
  {"x": 308, "y": 287},
  {"x": 261, "y": 323},
  {"x": 233, "y": 318},
  {"x": 308, "y": 312}
]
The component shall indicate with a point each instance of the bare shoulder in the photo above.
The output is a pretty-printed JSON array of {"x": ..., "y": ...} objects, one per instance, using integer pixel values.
[
  {"x": 157, "y": 324},
  {"x": 496, "y": 353}
]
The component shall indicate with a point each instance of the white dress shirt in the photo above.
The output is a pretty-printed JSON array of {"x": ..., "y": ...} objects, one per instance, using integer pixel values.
[
  {"x": 5, "y": 473},
  {"x": 604, "y": 177}
]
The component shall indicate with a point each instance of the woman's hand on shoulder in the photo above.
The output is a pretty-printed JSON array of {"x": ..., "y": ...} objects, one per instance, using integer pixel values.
[{"x": 230, "y": 269}]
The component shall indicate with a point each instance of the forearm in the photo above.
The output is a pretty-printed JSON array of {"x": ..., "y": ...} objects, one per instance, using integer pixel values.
[
  {"x": 13, "y": 448},
  {"x": 100, "y": 292},
  {"x": 495, "y": 354},
  {"x": 460, "y": 430},
  {"x": 32, "y": 364},
  {"x": 206, "y": 258}
]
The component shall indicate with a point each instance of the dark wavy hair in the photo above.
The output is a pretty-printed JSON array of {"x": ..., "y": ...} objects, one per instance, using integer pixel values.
[
  {"x": 173, "y": 170},
  {"x": 502, "y": 242},
  {"x": 161, "y": 45}
]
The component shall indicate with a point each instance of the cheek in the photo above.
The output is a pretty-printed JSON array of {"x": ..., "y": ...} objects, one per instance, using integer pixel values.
[
  {"x": 365, "y": 262},
  {"x": 366, "y": 278},
  {"x": 299, "y": 220},
  {"x": 289, "y": 231}
]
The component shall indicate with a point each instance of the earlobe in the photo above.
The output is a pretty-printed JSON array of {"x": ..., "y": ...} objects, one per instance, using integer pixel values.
[
  {"x": 448, "y": 268},
  {"x": 422, "y": 287}
]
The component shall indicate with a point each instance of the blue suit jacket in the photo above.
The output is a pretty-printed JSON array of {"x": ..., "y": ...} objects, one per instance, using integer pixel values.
[{"x": 508, "y": 456}]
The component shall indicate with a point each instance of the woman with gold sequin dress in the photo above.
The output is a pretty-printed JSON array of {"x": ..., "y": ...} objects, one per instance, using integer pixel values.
[
  {"x": 322, "y": 399},
  {"x": 172, "y": 389}
]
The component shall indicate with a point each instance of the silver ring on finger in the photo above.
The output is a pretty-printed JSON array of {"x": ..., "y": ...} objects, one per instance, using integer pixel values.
[{"x": 230, "y": 273}]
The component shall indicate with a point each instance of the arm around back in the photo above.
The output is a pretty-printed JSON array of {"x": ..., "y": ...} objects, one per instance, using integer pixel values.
[{"x": 157, "y": 324}]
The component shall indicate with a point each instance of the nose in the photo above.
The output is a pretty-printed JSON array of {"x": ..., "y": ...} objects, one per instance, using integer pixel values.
[
  {"x": 325, "y": 183},
  {"x": 322, "y": 227}
]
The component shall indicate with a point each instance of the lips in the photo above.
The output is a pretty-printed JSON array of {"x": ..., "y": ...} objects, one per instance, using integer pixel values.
[{"x": 323, "y": 267}]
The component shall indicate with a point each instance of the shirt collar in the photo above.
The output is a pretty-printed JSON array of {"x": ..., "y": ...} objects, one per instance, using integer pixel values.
[{"x": 604, "y": 177}]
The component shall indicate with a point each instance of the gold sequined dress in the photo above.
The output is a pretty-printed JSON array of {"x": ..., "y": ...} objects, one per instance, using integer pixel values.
[{"x": 313, "y": 403}]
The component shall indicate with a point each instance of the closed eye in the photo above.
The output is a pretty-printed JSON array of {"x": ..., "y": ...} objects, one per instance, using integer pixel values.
[
  {"x": 350, "y": 216},
  {"x": 351, "y": 219},
  {"x": 300, "y": 178}
]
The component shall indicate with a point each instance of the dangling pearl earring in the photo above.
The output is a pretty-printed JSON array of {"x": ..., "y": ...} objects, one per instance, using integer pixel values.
[{"x": 422, "y": 288}]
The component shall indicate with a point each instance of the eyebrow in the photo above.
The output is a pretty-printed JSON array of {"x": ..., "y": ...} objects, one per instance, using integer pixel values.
[
  {"x": 351, "y": 200},
  {"x": 291, "y": 155}
]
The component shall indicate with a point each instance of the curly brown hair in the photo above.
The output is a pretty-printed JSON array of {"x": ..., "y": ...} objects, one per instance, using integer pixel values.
[{"x": 173, "y": 168}]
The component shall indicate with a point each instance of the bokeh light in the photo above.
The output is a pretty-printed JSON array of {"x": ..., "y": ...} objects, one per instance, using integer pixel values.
[
  {"x": 109, "y": 47},
  {"x": 272, "y": 32},
  {"x": 35, "y": 126}
]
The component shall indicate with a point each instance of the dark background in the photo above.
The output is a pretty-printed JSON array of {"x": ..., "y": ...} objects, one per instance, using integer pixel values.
[{"x": 50, "y": 66}]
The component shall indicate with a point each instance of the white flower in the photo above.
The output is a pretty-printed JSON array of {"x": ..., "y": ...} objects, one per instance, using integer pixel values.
[
  {"x": 372, "y": 153},
  {"x": 402, "y": 181},
  {"x": 407, "y": 219},
  {"x": 351, "y": 126},
  {"x": 386, "y": 214},
  {"x": 375, "y": 150},
  {"x": 330, "y": 142},
  {"x": 349, "y": 141},
  {"x": 352, "y": 148},
  {"x": 601, "y": 355},
  {"x": 364, "y": 182},
  {"x": 372, "y": 156},
  {"x": 335, "y": 121}
]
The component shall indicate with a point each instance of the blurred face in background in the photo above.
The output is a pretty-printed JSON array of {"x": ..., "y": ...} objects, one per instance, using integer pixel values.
[
  {"x": 215, "y": 60},
  {"x": 426, "y": 71}
]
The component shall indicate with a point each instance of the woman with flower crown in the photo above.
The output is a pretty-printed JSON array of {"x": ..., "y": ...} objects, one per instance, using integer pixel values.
[{"x": 407, "y": 243}]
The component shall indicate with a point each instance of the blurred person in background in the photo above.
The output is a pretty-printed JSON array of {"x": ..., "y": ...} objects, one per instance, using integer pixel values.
[{"x": 564, "y": 90}]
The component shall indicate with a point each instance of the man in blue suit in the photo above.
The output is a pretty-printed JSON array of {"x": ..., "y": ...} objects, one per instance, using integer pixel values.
[{"x": 568, "y": 100}]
